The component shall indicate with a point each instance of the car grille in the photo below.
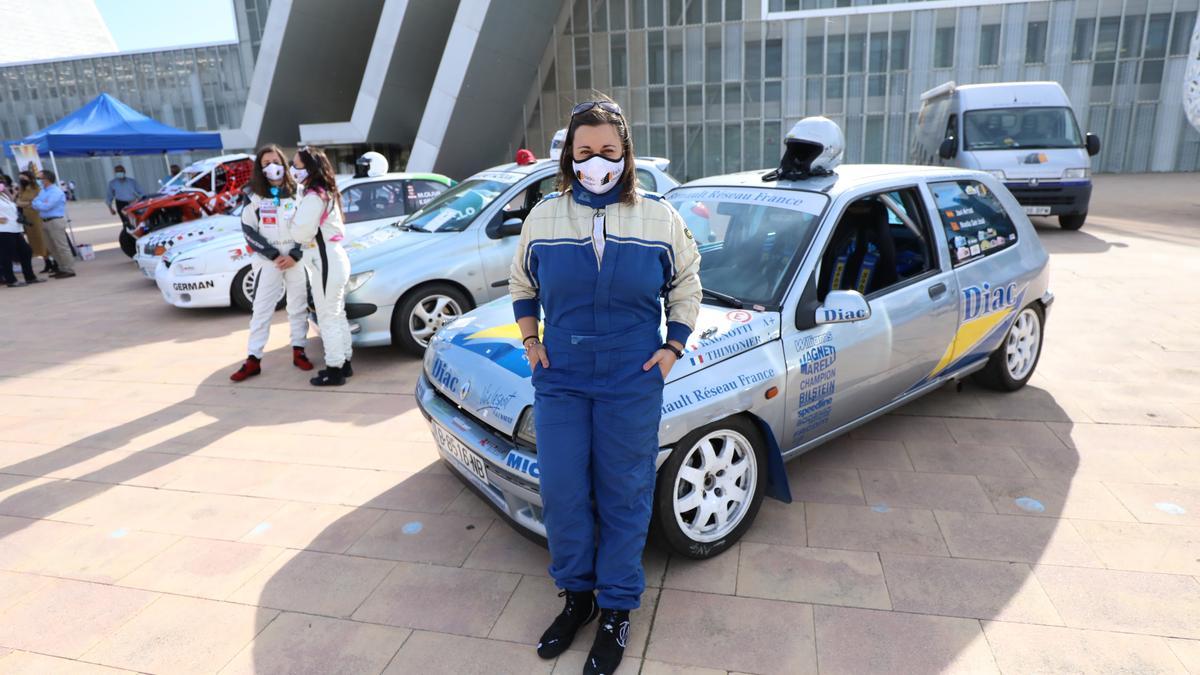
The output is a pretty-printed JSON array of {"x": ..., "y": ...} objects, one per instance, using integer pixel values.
[
  {"x": 1042, "y": 195},
  {"x": 477, "y": 420}
]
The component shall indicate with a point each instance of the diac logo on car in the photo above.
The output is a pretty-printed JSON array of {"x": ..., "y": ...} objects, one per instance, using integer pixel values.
[
  {"x": 986, "y": 299},
  {"x": 444, "y": 376}
]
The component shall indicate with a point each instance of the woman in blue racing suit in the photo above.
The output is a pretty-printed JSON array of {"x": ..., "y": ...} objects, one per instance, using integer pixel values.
[{"x": 600, "y": 259}]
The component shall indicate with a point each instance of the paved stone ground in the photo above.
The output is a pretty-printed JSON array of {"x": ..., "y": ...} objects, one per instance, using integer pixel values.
[{"x": 154, "y": 518}]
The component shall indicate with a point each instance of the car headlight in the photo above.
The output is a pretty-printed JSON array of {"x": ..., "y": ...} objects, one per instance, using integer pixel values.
[
  {"x": 357, "y": 280},
  {"x": 188, "y": 266},
  {"x": 998, "y": 173},
  {"x": 1077, "y": 173},
  {"x": 525, "y": 428}
]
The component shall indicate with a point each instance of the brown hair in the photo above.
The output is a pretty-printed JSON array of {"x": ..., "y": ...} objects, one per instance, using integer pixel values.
[
  {"x": 320, "y": 172},
  {"x": 595, "y": 117},
  {"x": 259, "y": 184}
]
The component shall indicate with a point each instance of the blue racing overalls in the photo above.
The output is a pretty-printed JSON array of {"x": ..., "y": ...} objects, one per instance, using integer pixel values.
[{"x": 600, "y": 271}]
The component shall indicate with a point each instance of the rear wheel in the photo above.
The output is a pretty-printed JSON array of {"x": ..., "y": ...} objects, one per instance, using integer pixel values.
[
  {"x": 710, "y": 488},
  {"x": 423, "y": 312},
  {"x": 128, "y": 243},
  {"x": 1072, "y": 221},
  {"x": 1011, "y": 366}
]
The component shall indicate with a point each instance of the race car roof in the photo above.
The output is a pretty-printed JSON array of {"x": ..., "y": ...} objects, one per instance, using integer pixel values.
[
  {"x": 346, "y": 180},
  {"x": 845, "y": 177}
]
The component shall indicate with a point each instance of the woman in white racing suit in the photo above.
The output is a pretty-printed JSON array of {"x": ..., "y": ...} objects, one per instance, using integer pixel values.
[
  {"x": 318, "y": 229},
  {"x": 276, "y": 260}
]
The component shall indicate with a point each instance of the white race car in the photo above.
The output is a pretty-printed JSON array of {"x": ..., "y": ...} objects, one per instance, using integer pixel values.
[
  {"x": 152, "y": 247},
  {"x": 214, "y": 269}
]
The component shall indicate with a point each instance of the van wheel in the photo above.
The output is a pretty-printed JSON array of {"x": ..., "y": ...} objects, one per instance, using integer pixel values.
[
  {"x": 128, "y": 243},
  {"x": 710, "y": 488},
  {"x": 422, "y": 312},
  {"x": 1013, "y": 363},
  {"x": 1072, "y": 221}
]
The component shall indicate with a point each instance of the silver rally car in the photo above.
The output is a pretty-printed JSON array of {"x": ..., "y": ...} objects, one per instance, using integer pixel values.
[
  {"x": 409, "y": 280},
  {"x": 831, "y": 297}
]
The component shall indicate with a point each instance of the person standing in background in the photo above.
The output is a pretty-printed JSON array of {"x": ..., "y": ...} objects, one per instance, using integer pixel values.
[
  {"x": 174, "y": 172},
  {"x": 51, "y": 204},
  {"x": 13, "y": 247},
  {"x": 27, "y": 191},
  {"x": 122, "y": 191}
]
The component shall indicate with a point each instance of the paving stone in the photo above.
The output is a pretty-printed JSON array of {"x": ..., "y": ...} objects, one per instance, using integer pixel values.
[
  {"x": 503, "y": 549},
  {"x": 1054, "y": 498},
  {"x": 718, "y": 574},
  {"x": 924, "y": 491},
  {"x": 299, "y": 643},
  {"x": 816, "y": 575},
  {"x": 859, "y": 641},
  {"x": 1188, "y": 653},
  {"x": 833, "y": 486},
  {"x": 874, "y": 528},
  {"x": 445, "y": 599},
  {"x": 778, "y": 523},
  {"x": 967, "y": 458},
  {"x": 1014, "y": 538},
  {"x": 1164, "y": 504},
  {"x": 314, "y": 583},
  {"x": 1172, "y": 549},
  {"x": 978, "y": 589},
  {"x": 316, "y": 527},
  {"x": 28, "y": 663},
  {"x": 65, "y": 618},
  {"x": 441, "y": 654},
  {"x": 1024, "y": 648},
  {"x": 1129, "y": 602},
  {"x": 421, "y": 537},
  {"x": 97, "y": 554},
  {"x": 203, "y": 568}
]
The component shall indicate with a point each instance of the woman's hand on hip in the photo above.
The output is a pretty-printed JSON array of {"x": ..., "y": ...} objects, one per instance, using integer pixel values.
[
  {"x": 535, "y": 351},
  {"x": 665, "y": 360}
]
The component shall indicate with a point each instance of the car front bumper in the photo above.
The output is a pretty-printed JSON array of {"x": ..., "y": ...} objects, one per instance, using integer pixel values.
[
  {"x": 370, "y": 324},
  {"x": 507, "y": 476},
  {"x": 1061, "y": 197},
  {"x": 193, "y": 290},
  {"x": 146, "y": 264}
]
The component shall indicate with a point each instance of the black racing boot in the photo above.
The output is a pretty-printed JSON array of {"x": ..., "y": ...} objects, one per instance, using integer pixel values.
[
  {"x": 609, "y": 646},
  {"x": 578, "y": 611},
  {"x": 347, "y": 371},
  {"x": 329, "y": 377}
]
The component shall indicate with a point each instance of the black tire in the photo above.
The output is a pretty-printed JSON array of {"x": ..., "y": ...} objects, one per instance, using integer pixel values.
[
  {"x": 1072, "y": 221},
  {"x": 403, "y": 335},
  {"x": 128, "y": 243},
  {"x": 664, "y": 524},
  {"x": 238, "y": 296},
  {"x": 996, "y": 374}
]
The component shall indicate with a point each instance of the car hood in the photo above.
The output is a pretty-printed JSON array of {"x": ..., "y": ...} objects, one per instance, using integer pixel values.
[
  {"x": 386, "y": 241},
  {"x": 232, "y": 243},
  {"x": 478, "y": 362},
  {"x": 194, "y": 230},
  {"x": 1024, "y": 164}
]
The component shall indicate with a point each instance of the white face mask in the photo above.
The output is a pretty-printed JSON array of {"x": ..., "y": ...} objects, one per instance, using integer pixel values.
[
  {"x": 599, "y": 174},
  {"x": 273, "y": 171},
  {"x": 119, "y": 175},
  {"x": 298, "y": 175}
]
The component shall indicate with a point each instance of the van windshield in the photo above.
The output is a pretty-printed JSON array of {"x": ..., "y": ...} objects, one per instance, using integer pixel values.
[{"x": 1026, "y": 128}]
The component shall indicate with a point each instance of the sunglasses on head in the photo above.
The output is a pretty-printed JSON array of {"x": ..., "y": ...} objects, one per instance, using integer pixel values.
[{"x": 603, "y": 105}]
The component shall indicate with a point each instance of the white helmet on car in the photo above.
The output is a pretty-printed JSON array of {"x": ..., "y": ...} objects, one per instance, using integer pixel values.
[
  {"x": 821, "y": 139},
  {"x": 370, "y": 165}
]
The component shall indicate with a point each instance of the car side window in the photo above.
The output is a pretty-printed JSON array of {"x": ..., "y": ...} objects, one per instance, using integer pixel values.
[
  {"x": 372, "y": 201},
  {"x": 646, "y": 180},
  {"x": 881, "y": 241},
  {"x": 420, "y": 192},
  {"x": 975, "y": 221}
]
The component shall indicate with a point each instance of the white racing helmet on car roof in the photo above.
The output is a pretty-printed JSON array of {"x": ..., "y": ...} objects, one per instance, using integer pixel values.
[
  {"x": 370, "y": 165},
  {"x": 814, "y": 147}
]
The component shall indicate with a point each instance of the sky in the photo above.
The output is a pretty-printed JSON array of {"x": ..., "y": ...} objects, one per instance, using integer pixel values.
[{"x": 157, "y": 24}]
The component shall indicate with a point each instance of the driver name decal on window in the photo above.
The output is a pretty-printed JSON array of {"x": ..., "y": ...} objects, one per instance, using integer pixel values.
[{"x": 976, "y": 223}]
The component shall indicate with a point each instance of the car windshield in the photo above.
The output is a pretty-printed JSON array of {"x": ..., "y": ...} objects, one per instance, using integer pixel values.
[
  {"x": 751, "y": 239},
  {"x": 1026, "y": 128},
  {"x": 183, "y": 178},
  {"x": 454, "y": 209}
]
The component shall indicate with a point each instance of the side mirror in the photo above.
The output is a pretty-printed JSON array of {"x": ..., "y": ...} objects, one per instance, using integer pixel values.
[
  {"x": 1092, "y": 143},
  {"x": 508, "y": 227},
  {"x": 948, "y": 148},
  {"x": 843, "y": 307}
]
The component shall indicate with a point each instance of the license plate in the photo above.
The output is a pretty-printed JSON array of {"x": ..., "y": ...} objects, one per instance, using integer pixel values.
[
  {"x": 1037, "y": 210},
  {"x": 455, "y": 448}
]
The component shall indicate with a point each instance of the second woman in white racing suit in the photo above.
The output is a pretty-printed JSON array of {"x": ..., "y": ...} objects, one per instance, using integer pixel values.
[
  {"x": 318, "y": 229},
  {"x": 265, "y": 222}
]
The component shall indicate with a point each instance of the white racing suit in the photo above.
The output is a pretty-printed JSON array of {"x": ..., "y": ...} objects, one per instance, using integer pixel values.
[
  {"x": 265, "y": 225},
  {"x": 318, "y": 229}
]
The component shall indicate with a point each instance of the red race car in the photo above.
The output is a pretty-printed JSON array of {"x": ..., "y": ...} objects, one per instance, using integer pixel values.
[{"x": 207, "y": 187}]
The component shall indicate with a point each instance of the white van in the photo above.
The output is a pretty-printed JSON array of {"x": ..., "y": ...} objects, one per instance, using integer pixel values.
[{"x": 1023, "y": 133}]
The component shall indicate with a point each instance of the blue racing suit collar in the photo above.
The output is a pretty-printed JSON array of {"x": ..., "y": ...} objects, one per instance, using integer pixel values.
[{"x": 592, "y": 200}]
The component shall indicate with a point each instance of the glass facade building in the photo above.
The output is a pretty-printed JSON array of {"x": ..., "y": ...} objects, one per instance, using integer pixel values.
[
  {"x": 714, "y": 85},
  {"x": 196, "y": 88}
]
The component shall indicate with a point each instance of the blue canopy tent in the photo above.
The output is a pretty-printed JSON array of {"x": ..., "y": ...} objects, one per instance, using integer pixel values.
[{"x": 106, "y": 126}]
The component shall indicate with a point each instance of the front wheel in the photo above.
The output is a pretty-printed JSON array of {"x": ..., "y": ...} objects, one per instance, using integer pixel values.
[
  {"x": 1011, "y": 366},
  {"x": 241, "y": 291},
  {"x": 710, "y": 488},
  {"x": 128, "y": 242},
  {"x": 423, "y": 312},
  {"x": 1072, "y": 221}
]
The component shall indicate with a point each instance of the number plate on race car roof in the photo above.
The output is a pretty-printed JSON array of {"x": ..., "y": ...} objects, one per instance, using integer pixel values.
[
  {"x": 1037, "y": 210},
  {"x": 455, "y": 448}
]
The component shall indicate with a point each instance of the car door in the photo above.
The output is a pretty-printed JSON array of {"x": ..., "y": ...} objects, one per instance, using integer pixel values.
[
  {"x": 496, "y": 250},
  {"x": 839, "y": 372}
]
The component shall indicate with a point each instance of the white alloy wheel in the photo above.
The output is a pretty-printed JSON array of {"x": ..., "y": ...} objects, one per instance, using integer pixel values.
[
  {"x": 1024, "y": 341},
  {"x": 248, "y": 282},
  {"x": 715, "y": 485},
  {"x": 430, "y": 314}
]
